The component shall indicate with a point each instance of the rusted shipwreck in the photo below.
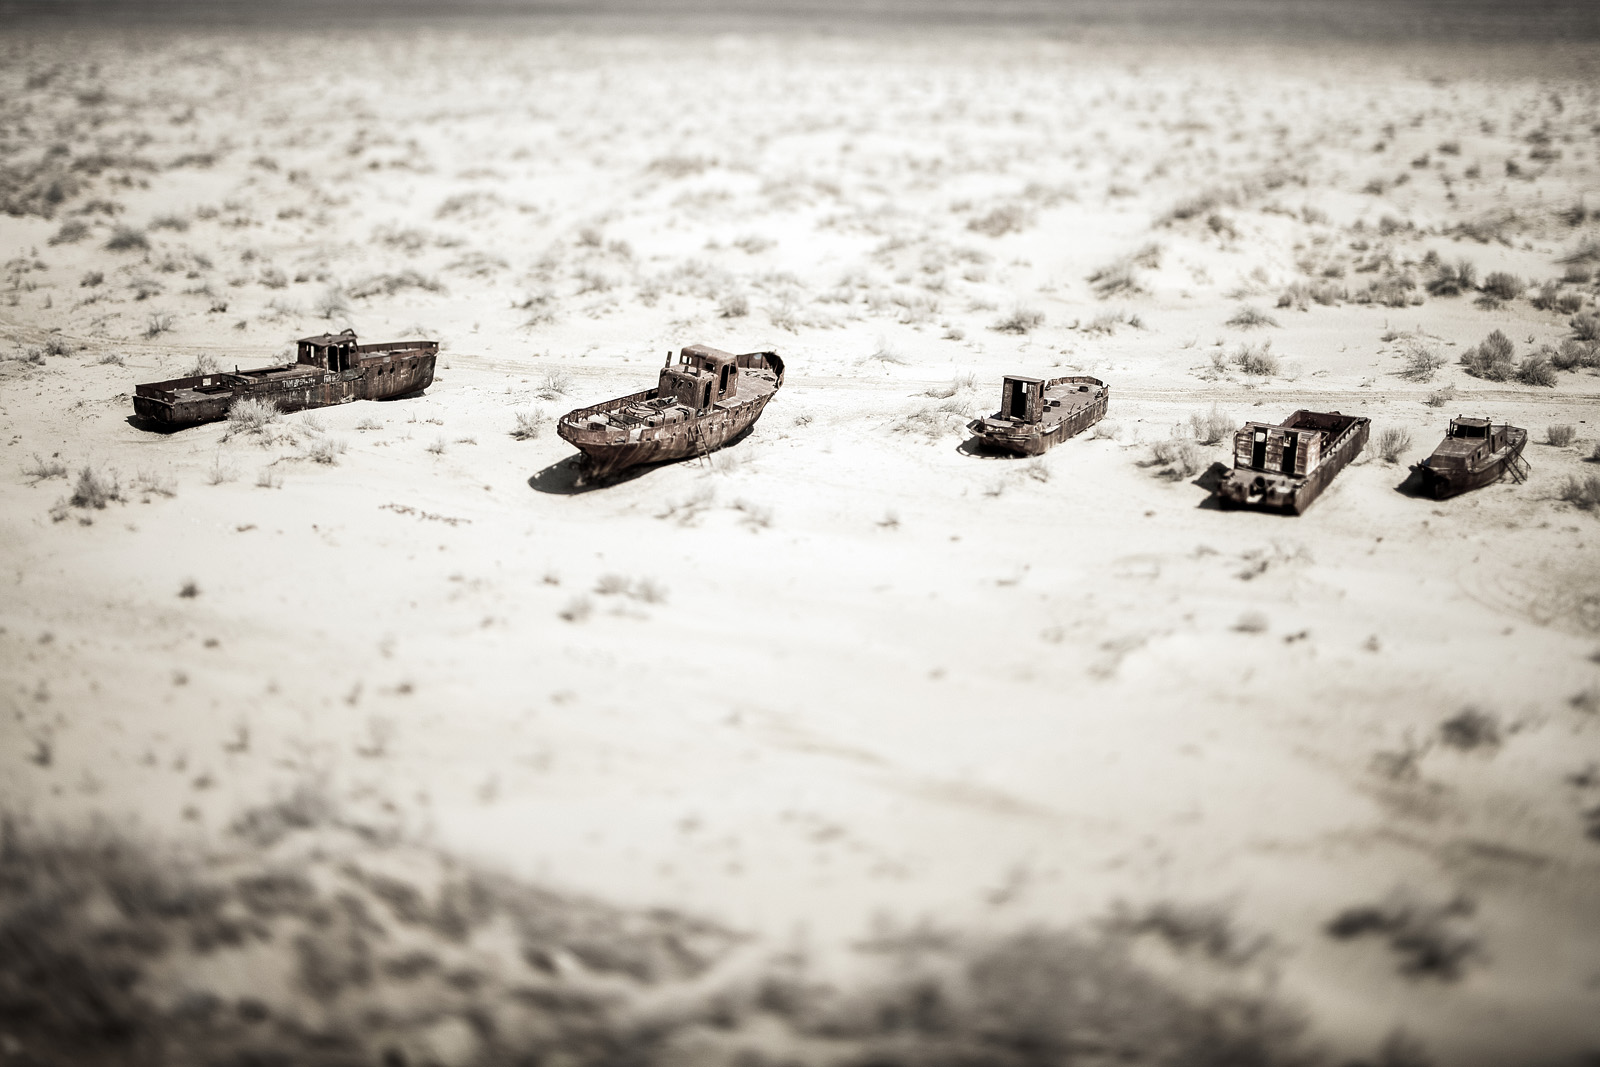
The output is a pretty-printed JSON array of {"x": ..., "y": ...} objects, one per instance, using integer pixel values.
[
  {"x": 1039, "y": 413},
  {"x": 705, "y": 400},
  {"x": 1473, "y": 454},
  {"x": 330, "y": 369},
  {"x": 1286, "y": 467}
]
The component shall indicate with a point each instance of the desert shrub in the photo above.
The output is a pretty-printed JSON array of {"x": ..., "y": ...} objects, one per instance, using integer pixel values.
[
  {"x": 1109, "y": 322},
  {"x": 1536, "y": 369},
  {"x": 157, "y": 323},
  {"x": 1249, "y": 318},
  {"x": 95, "y": 489},
  {"x": 1440, "y": 397},
  {"x": 1007, "y": 218},
  {"x": 1582, "y": 491},
  {"x": 169, "y": 222},
  {"x": 1177, "y": 457},
  {"x": 1020, "y": 320},
  {"x": 1453, "y": 280},
  {"x": 390, "y": 284},
  {"x": 1586, "y": 327},
  {"x": 733, "y": 306},
  {"x": 205, "y": 363},
  {"x": 1257, "y": 359},
  {"x": 1211, "y": 427},
  {"x": 71, "y": 232},
  {"x": 91, "y": 279},
  {"x": 127, "y": 239},
  {"x": 1470, "y": 729},
  {"x": 325, "y": 450},
  {"x": 1503, "y": 286},
  {"x": 1573, "y": 353},
  {"x": 1393, "y": 443},
  {"x": 1392, "y": 290},
  {"x": 43, "y": 469},
  {"x": 1568, "y": 303},
  {"x": 529, "y": 424},
  {"x": 1490, "y": 359},
  {"x": 1560, "y": 435},
  {"x": 330, "y": 304},
  {"x": 1116, "y": 279},
  {"x": 553, "y": 383},
  {"x": 250, "y": 415},
  {"x": 1421, "y": 361}
]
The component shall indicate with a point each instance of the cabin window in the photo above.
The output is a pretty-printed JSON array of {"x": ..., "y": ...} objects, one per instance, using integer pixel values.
[
  {"x": 705, "y": 396},
  {"x": 722, "y": 389},
  {"x": 1291, "y": 445},
  {"x": 1258, "y": 453},
  {"x": 1019, "y": 401}
]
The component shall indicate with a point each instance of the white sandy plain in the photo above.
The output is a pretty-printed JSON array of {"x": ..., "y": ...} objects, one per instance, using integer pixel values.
[{"x": 853, "y": 675}]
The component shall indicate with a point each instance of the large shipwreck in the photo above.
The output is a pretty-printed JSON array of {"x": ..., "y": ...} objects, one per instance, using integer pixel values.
[
  {"x": 1286, "y": 467},
  {"x": 1474, "y": 453},
  {"x": 329, "y": 369},
  {"x": 1039, "y": 413},
  {"x": 705, "y": 400}
]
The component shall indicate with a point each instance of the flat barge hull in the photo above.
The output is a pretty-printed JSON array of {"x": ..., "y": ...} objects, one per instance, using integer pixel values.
[
  {"x": 1038, "y": 414},
  {"x": 322, "y": 378},
  {"x": 1285, "y": 468}
]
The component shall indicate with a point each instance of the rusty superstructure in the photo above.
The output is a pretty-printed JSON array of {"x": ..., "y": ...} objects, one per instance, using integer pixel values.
[
  {"x": 1474, "y": 453},
  {"x": 1038, "y": 413},
  {"x": 701, "y": 402},
  {"x": 328, "y": 369},
  {"x": 1287, "y": 466}
]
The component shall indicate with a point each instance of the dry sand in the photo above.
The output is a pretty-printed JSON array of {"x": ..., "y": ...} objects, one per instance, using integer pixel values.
[{"x": 842, "y": 676}]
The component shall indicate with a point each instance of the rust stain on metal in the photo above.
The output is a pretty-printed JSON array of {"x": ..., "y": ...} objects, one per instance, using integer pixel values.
[
  {"x": 328, "y": 369},
  {"x": 1037, "y": 413},
  {"x": 1286, "y": 467},
  {"x": 1474, "y": 453},
  {"x": 701, "y": 403}
]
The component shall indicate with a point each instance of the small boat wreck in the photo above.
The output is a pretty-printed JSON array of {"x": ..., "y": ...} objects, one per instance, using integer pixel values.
[
  {"x": 1473, "y": 454},
  {"x": 1286, "y": 467},
  {"x": 330, "y": 369},
  {"x": 1039, "y": 413},
  {"x": 705, "y": 400}
]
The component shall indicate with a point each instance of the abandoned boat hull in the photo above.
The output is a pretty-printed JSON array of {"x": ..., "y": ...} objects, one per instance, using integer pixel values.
[
  {"x": 1248, "y": 485},
  {"x": 1442, "y": 482},
  {"x": 608, "y": 448},
  {"x": 364, "y": 372},
  {"x": 1081, "y": 400}
]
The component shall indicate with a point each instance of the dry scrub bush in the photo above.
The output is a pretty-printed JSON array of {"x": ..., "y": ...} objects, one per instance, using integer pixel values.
[
  {"x": 1503, "y": 286},
  {"x": 205, "y": 363},
  {"x": 157, "y": 323},
  {"x": 1257, "y": 359},
  {"x": 1586, "y": 327},
  {"x": 1393, "y": 443},
  {"x": 553, "y": 384},
  {"x": 1421, "y": 361},
  {"x": 250, "y": 415},
  {"x": 1582, "y": 491},
  {"x": 1177, "y": 457},
  {"x": 1560, "y": 435},
  {"x": 127, "y": 239},
  {"x": 1108, "y": 322},
  {"x": 529, "y": 424},
  {"x": 1490, "y": 359},
  {"x": 1301, "y": 294},
  {"x": 1573, "y": 353},
  {"x": 1007, "y": 218},
  {"x": 1021, "y": 320},
  {"x": 1249, "y": 318},
  {"x": 1427, "y": 937},
  {"x": 43, "y": 469},
  {"x": 1211, "y": 427},
  {"x": 325, "y": 450},
  {"x": 1536, "y": 369},
  {"x": 95, "y": 489},
  {"x": 733, "y": 306},
  {"x": 1453, "y": 280},
  {"x": 71, "y": 232}
]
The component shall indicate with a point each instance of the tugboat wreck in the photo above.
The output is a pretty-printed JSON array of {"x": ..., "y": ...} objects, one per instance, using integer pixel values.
[
  {"x": 1037, "y": 413},
  {"x": 701, "y": 403},
  {"x": 1286, "y": 467},
  {"x": 1474, "y": 453},
  {"x": 329, "y": 369}
]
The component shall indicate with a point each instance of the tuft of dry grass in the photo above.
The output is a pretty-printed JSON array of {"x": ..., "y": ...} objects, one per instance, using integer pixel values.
[
  {"x": 1582, "y": 491},
  {"x": 40, "y": 469},
  {"x": 1393, "y": 443},
  {"x": 1257, "y": 359},
  {"x": 1020, "y": 320},
  {"x": 554, "y": 383},
  {"x": 127, "y": 239},
  {"x": 1560, "y": 435},
  {"x": 529, "y": 424},
  {"x": 1176, "y": 458},
  {"x": 1249, "y": 318},
  {"x": 1422, "y": 361},
  {"x": 1211, "y": 427},
  {"x": 95, "y": 489},
  {"x": 251, "y": 415}
]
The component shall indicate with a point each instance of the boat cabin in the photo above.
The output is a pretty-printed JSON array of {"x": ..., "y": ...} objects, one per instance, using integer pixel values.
[
  {"x": 330, "y": 351},
  {"x": 1272, "y": 449},
  {"x": 1022, "y": 399},
  {"x": 702, "y": 377},
  {"x": 1478, "y": 431}
]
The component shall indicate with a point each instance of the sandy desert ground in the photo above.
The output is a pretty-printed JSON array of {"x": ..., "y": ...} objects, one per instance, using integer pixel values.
[{"x": 364, "y": 738}]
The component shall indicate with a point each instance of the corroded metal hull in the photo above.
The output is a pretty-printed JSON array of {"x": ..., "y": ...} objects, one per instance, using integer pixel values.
[
  {"x": 1078, "y": 412},
  {"x": 1441, "y": 483},
  {"x": 608, "y": 447},
  {"x": 1289, "y": 493},
  {"x": 380, "y": 372}
]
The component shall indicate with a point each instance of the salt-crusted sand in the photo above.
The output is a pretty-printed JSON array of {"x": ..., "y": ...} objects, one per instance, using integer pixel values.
[{"x": 841, "y": 677}]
